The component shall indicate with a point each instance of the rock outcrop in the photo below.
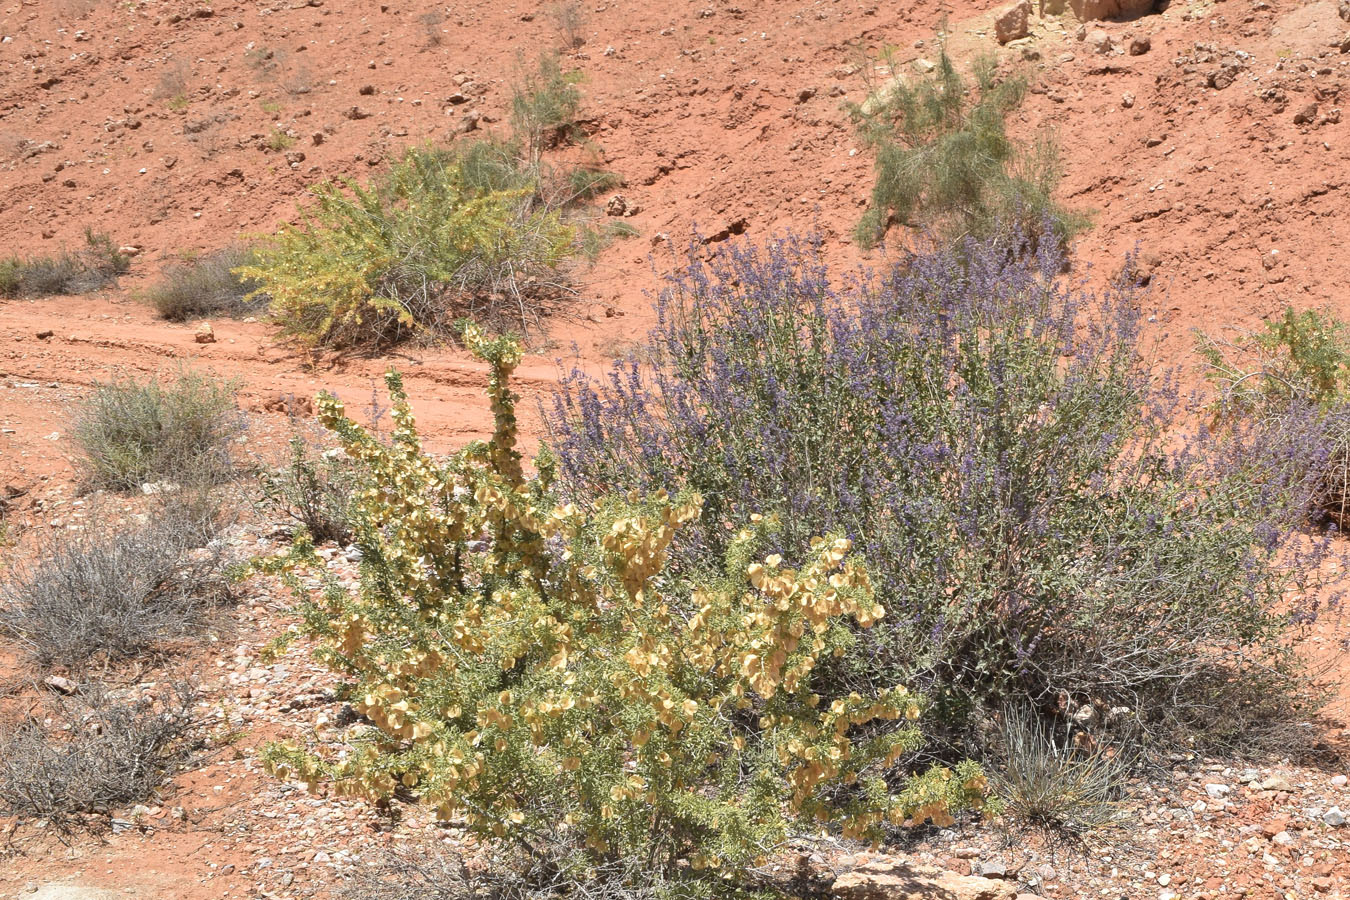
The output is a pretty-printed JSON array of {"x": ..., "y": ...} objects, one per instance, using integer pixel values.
[{"x": 889, "y": 878}]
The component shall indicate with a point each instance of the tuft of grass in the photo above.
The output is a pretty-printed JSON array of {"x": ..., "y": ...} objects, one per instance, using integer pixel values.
[
  {"x": 206, "y": 286},
  {"x": 109, "y": 591},
  {"x": 130, "y": 433},
  {"x": 431, "y": 23},
  {"x": 95, "y": 754},
  {"x": 172, "y": 85},
  {"x": 945, "y": 164},
  {"x": 278, "y": 140},
  {"x": 1073, "y": 789},
  {"x": 96, "y": 265}
]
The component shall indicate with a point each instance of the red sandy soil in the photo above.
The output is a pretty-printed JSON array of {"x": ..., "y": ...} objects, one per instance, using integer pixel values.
[{"x": 1229, "y": 170}]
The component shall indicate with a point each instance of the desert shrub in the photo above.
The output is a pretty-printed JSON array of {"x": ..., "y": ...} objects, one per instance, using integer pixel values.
[
  {"x": 1037, "y": 521},
  {"x": 206, "y": 286},
  {"x": 108, "y": 591},
  {"x": 1074, "y": 789},
  {"x": 130, "y": 432},
  {"x": 544, "y": 106},
  {"x": 569, "y": 18},
  {"x": 537, "y": 669},
  {"x": 409, "y": 253},
  {"x": 479, "y": 230},
  {"x": 945, "y": 164},
  {"x": 96, "y": 754},
  {"x": 1293, "y": 376},
  {"x": 312, "y": 491},
  {"x": 95, "y": 266},
  {"x": 1300, "y": 357}
]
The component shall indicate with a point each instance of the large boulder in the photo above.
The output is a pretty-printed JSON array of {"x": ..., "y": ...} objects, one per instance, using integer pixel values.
[
  {"x": 1093, "y": 10},
  {"x": 1014, "y": 22},
  {"x": 889, "y": 878}
]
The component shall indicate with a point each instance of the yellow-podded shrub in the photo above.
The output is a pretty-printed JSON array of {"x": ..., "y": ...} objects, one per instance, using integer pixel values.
[
  {"x": 413, "y": 250},
  {"x": 540, "y": 672}
]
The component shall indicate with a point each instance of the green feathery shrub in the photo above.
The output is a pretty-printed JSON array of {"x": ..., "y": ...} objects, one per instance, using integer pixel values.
[
  {"x": 478, "y": 231},
  {"x": 946, "y": 165}
]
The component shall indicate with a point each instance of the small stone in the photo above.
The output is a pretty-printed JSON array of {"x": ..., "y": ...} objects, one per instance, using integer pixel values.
[
  {"x": 1306, "y": 114},
  {"x": 204, "y": 334},
  {"x": 1283, "y": 839},
  {"x": 1013, "y": 23},
  {"x": 1336, "y": 781},
  {"x": 61, "y": 685},
  {"x": 1276, "y": 783},
  {"x": 1140, "y": 45},
  {"x": 989, "y": 868},
  {"x": 1217, "y": 791},
  {"x": 1127, "y": 100},
  {"x": 1334, "y": 817}
]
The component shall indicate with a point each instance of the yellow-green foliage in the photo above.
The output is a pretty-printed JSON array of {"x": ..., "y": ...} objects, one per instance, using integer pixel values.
[
  {"x": 540, "y": 671},
  {"x": 412, "y": 251}
]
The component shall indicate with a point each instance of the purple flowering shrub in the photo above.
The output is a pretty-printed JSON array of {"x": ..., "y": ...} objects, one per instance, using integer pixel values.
[{"x": 1042, "y": 525}]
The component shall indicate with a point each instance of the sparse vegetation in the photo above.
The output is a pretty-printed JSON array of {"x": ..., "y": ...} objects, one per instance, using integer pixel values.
[
  {"x": 206, "y": 285},
  {"x": 129, "y": 432},
  {"x": 537, "y": 670},
  {"x": 278, "y": 140},
  {"x": 1007, "y": 464},
  {"x": 945, "y": 164},
  {"x": 111, "y": 591},
  {"x": 433, "y": 872},
  {"x": 431, "y": 22},
  {"x": 569, "y": 18},
  {"x": 544, "y": 106},
  {"x": 97, "y": 265},
  {"x": 96, "y": 754},
  {"x": 314, "y": 492},
  {"x": 172, "y": 86}
]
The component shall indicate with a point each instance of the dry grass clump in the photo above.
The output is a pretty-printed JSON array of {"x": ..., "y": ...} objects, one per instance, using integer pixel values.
[
  {"x": 95, "y": 266},
  {"x": 94, "y": 753},
  {"x": 206, "y": 286},
  {"x": 1071, "y": 788},
  {"x": 113, "y": 591},
  {"x": 130, "y": 432}
]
